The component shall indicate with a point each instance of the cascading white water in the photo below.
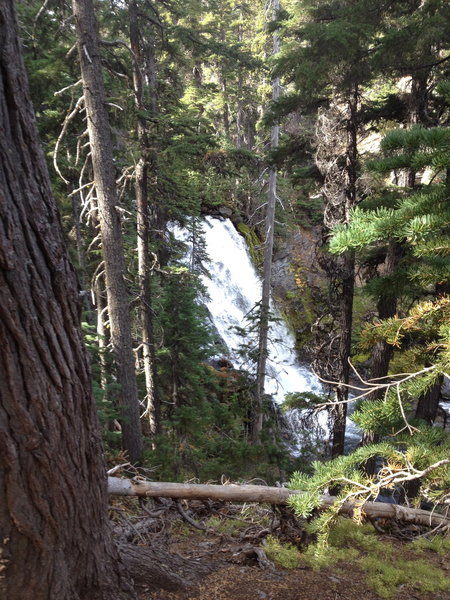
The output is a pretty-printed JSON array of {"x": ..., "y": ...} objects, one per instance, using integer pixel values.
[{"x": 234, "y": 288}]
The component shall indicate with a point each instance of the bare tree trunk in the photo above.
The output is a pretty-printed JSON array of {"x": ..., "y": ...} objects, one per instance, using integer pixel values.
[
  {"x": 55, "y": 542},
  {"x": 267, "y": 267},
  {"x": 152, "y": 411},
  {"x": 346, "y": 277},
  {"x": 110, "y": 226},
  {"x": 102, "y": 329},
  {"x": 239, "y": 114},
  {"x": 103, "y": 341},
  {"x": 382, "y": 351},
  {"x": 428, "y": 403}
]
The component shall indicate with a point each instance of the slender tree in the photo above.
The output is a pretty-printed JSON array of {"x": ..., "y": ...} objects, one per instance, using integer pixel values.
[
  {"x": 110, "y": 225},
  {"x": 140, "y": 69},
  {"x": 263, "y": 332},
  {"x": 335, "y": 62},
  {"x": 345, "y": 277},
  {"x": 419, "y": 220},
  {"x": 329, "y": 66}
]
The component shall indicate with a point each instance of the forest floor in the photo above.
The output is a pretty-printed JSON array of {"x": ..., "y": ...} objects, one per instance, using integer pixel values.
[{"x": 368, "y": 565}]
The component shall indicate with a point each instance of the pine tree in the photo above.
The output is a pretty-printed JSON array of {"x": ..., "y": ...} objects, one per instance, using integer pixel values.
[
  {"x": 263, "y": 333},
  {"x": 110, "y": 226},
  {"x": 144, "y": 71},
  {"x": 328, "y": 61},
  {"x": 53, "y": 497},
  {"x": 419, "y": 219}
]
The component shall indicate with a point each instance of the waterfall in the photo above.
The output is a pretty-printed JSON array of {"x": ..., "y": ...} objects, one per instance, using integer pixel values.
[{"x": 233, "y": 288}]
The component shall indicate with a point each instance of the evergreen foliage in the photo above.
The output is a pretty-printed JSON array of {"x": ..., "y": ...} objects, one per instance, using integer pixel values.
[
  {"x": 423, "y": 456},
  {"x": 205, "y": 109},
  {"x": 385, "y": 570},
  {"x": 419, "y": 217}
]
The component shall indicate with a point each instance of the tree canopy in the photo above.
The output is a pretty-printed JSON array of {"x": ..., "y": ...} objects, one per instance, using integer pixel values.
[{"x": 152, "y": 116}]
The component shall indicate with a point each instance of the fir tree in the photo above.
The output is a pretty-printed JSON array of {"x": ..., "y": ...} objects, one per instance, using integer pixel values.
[{"x": 327, "y": 59}]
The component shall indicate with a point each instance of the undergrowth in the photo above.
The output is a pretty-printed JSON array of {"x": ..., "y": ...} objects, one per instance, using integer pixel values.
[
  {"x": 358, "y": 545},
  {"x": 226, "y": 526},
  {"x": 284, "y": 554},
  {"x": 386, "y": 577},
  {"x": 437, "y": 544}
]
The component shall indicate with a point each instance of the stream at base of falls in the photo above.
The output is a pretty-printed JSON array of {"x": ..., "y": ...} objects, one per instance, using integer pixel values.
[{"x": 233, "y": 290}]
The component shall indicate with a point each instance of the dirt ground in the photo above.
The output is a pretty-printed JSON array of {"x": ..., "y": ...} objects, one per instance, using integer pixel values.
[{"x": 238, "y": 576}]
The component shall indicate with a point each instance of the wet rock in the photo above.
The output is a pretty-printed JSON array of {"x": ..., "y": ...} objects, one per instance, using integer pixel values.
[{"x": 225, "y": 211}]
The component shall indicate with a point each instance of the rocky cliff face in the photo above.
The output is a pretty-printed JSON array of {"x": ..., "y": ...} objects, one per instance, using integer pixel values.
[{"x": 298, "y": 281}]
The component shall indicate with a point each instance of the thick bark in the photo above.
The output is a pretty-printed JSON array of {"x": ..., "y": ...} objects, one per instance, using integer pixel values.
[
  {"x": 265, "y": 494},
  {"x": 152, "y": 411},
  {"x": 110, "y": 227},
  {"x": 263, "y": 333},
  {"x": 54, "y": 535},
  {"x": 156, "y": 568}
]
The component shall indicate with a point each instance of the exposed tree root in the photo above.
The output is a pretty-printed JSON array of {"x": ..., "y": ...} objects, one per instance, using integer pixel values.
[{"x": 155, "y": 568}]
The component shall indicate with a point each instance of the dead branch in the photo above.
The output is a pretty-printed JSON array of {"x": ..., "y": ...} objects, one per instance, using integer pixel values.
[
  {"x": 68, "y": 87},
  {"x": 189, "y": 519},
  {"x": 376, "y": 384},
  {"x": 67, "y": 120},
  {"x": 269, "y": 495}
]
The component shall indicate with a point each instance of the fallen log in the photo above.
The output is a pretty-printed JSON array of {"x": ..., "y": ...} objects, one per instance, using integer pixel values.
[{"x": 267, "y": 495}]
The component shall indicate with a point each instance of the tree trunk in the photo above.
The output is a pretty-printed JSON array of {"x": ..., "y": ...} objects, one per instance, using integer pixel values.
[
  {"x": 101, "y": 328},
  {"x": 267, "y": 495},
  {"x": 417, "y": 100},
  {"x": 55, "y": 542},
  {"x": 346, "y": 264},
  {"x": 382, "y": 351},
  {"x": 153, "y": 569},
  {"x": 346, "y": 281},
  {"x": 81, "y": 257},
  {"x": 267, "y": 267},
  {"x": 152, "y": 411},
  {"x": 428, "y": 403},
  {"x": 110, "y": 226}
]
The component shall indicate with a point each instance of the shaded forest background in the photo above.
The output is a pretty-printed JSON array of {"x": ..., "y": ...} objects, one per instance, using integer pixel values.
[
  {"x": 336, "y": 115},
  {"x": 363, "y": 175}
]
